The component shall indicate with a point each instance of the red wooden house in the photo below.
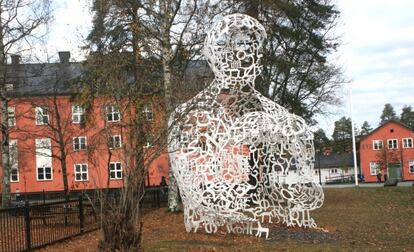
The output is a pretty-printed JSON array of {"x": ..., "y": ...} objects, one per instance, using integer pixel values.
[{"x": 389, "y": 149}]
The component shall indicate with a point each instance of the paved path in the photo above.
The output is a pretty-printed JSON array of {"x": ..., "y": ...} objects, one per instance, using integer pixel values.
[{"x": 402, "y": 184}]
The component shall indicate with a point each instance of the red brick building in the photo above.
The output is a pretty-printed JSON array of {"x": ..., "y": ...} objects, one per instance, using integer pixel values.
[
  {"x": 389, "y": 149},
  {"x": 44, "y": 118}
]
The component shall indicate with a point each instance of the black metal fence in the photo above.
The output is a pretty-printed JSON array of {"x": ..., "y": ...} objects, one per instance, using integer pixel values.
[
  {"x": 47, "y": 219},
  {"x": 155, "y": 197},
  {"x": 34, "y": 226}
]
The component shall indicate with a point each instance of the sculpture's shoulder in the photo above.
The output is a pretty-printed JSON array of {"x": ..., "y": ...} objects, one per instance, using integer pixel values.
[
  {"x": 268, "y": 105},
  {"x": 202, "y": 102},
  {"x": 293, "y": 124}
]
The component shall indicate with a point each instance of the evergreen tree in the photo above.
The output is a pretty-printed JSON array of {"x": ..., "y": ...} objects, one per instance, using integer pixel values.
[
  {"x": 407, "y": 116},
  {"x": 297, "y": 72},
  {"x": 388, "y": 113},
  {"x": 321, "y": 140},
  {"x": 342, "y": 135},
  {"x": 365, "y": 129}
]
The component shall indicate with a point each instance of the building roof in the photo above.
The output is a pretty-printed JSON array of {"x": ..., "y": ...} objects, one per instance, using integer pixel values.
[
  {"x": 42, "y": 79},
  {"x": 63, "y": 78},
  {"x": 334, "y": 160}
]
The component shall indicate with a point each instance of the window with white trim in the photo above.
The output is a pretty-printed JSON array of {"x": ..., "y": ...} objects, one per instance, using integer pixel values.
[
  {"x": 112, "y": 114},
  {"x": 407, "y": 143},
  {"x": 115, "y": 170},
  {"x": 41, "y": 115},
  {"x": 44, "y": 159},
  {"x": 392, "y": 144},
  {"x": 377, "y": 144},
  {"x": 147, "y": 111},
  {"x": 11, "y": 116},
  {"x": 81, "y": 172},
  {"x": 78, "y": 114},
  {"x": 9, "y": 87},
  {"x": 44, "y": 173},
  {"x": 411, "y": 166},
  {"x": 14, "y": 165},
  {"x": 334, "y": 170},
  {"x": 114, "y": 142},
  {"x": 79, "y": 143},
  {"x": 373, "y": 168}
]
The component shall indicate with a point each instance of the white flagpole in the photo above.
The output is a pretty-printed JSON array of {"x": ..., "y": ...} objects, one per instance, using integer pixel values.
[{"x": 353, "y": 136}]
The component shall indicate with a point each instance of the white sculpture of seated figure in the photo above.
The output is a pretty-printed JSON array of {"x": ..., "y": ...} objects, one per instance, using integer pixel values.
[{"x": 239, "y": 158}]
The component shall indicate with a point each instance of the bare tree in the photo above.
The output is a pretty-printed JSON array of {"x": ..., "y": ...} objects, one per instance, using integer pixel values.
[
  {"x": 56, "y": 120},
  {"x": 175, "y": 32},
  {"x": 138, "y": 50},
  {"x": 388, "y": 155},
  {"x": 21, "y": 22}
]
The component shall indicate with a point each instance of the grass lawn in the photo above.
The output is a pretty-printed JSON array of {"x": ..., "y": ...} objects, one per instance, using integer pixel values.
[{"x": 362, "y": 219}]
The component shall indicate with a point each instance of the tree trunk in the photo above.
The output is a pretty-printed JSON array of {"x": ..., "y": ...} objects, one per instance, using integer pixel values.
[
  {"x": 5, "y": 196},
  {"x": 62, "y": 147},
  {"x": 172, "y": 185},
  {"x": 167, "y": 55}
]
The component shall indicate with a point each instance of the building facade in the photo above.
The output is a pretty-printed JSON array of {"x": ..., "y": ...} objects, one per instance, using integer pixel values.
[
  {"x": 388, "y": 149},
  {"x": 50, "y": 131},
  {"x": 334, "y": 168}
]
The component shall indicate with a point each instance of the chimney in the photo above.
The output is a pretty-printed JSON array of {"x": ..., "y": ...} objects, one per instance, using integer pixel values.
[
  {"x": 15, "y": 59},
  {"x": 64, "y": 56}
]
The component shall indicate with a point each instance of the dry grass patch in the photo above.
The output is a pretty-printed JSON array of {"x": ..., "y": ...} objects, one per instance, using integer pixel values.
[{"x": 361, "y": 219}]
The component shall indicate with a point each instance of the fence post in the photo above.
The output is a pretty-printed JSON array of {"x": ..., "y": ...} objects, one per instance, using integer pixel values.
[
  {"x": 81, "y": 217},
  {"x": 158, "y": 197},
  {"x": 154, "y": 194},
  {"x": 27, "y": 225}
]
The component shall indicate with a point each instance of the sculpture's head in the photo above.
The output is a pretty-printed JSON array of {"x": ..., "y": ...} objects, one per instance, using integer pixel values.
[{"x": 233, "y": 48}]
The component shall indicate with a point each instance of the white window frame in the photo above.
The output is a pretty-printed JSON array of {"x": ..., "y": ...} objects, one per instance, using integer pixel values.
[
  {"x": 373, "y": 168},
  {"x": 392, "y": 141},
  {"x": 114, "y": 168},
  {"x": 79, "y": 143},
  {"x": 9, "y": 87},
  {"x": 411, "y": 166},
  {"x": 147, "y": 111},
  {"x": 14, "y": 157},
  {"x": 111, "y": 111},
  {"x": 377, "y": 144},
  {"x": 44, "y": 151},
  {"x": 81, "y": 172},
  {"x": 407, "y": 143},
  {"x": 44, "y": 173},
  {"x": 112, "y": 139},
  {"x": 41, "y": 113},
  {"x": 78, "y": 114},
  {"x": 11, "y": 116}
]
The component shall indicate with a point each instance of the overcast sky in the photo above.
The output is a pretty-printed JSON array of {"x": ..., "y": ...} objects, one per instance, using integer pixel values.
[
  {"x": 377, "y": 52},
  {"x": 377, "y": 55}
]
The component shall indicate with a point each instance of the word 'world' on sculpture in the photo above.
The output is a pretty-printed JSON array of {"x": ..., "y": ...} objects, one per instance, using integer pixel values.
[{"x": 240, "y": 159}]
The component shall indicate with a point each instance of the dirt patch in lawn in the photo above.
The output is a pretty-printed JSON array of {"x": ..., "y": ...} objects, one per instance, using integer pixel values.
[{"x": 303, "y": 235}]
